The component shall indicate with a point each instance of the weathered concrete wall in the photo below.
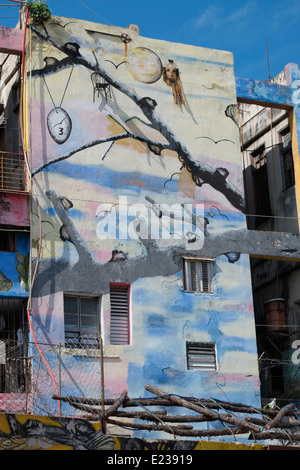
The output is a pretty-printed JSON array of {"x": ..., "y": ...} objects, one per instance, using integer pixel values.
[
  {"x": 11, "y": 40},
  {"x": 97, "y": 155},
  {"x": 14, "y": 210}
]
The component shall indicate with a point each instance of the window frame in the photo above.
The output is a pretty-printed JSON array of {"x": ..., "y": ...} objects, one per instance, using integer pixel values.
[
  {"x": 79, "y": 341},
  {"x": 187, "y": 275},
  {"x": 287, "y": 159},
  {"x": 203, "y": 367}
]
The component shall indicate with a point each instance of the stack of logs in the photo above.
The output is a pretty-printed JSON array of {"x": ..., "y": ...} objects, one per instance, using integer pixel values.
[{"x": 281, "y": 424}]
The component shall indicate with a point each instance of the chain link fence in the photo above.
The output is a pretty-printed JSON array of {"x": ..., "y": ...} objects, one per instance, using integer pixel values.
[{"x": 33, "y": 376}]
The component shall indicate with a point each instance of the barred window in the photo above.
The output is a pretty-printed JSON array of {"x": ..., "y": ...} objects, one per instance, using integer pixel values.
[{"x": 81, "y": 321}]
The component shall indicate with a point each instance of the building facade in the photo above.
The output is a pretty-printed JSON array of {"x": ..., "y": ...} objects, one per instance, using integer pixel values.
[{"x": 138, "y": 220}]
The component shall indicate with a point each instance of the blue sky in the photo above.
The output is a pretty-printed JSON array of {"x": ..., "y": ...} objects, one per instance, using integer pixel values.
[{"x": 243, "y": 28}]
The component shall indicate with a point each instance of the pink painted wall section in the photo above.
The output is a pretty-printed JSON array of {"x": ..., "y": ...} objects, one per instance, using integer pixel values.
[
  {"x": 14, "y": 209},
  {"x": 11, "y": 40}
]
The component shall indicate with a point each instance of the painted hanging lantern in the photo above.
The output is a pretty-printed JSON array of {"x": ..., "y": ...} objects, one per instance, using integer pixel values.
[
  {"x": 59, "y": 125},
  {"x": 58, "y": 120}
]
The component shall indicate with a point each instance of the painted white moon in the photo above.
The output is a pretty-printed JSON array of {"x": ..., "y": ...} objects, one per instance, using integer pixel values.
[
  {"x": 59, "y": 125},
  {"x": 144, "y": 65}
]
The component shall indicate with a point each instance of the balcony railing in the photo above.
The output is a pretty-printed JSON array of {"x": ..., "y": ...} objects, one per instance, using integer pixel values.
[{"x": 12, "y": 172}]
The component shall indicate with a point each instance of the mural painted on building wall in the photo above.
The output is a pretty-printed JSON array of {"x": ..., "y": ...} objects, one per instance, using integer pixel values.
[
  {"x": 122, "y": 123},
  {"x": 21, "y": 432}
]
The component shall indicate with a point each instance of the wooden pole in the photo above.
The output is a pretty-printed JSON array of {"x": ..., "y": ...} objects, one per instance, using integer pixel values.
[{"x": 205, "y": 411}]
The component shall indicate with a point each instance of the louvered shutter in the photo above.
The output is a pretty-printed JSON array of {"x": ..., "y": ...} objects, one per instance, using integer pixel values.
[
  {"x": 119, "y": 316},
  {"x": 198, "y": 275},
  {"x": 201, "y": 356}
]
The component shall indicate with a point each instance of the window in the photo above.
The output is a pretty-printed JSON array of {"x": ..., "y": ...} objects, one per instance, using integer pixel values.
[
  {"x": 259, "y": 157},
  {"x": 197, "y": 275},
  {"x": 8, "y": 241},
  {"x": 119, "y": 314},
  {"x": 288, "y": 169},
  {"x": 287, "y": 159},
  {"x": 201, "y": 356},
  {"x": 14, "y": 362},
  {"x": 81, "y": 322}
]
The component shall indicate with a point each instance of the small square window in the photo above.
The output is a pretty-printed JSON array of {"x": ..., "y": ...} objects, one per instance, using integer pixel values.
[
  {"x": 198, "y": 275},
  {"x": 259, "y": 157},
  {"x": 81, "y": 322},
  {"x": 201, "y": 356}
]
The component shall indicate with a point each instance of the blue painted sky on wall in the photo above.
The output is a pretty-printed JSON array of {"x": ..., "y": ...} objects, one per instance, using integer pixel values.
[{"x": 240, "y": 27}]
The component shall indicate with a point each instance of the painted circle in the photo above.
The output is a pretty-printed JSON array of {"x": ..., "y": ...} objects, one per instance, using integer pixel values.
[
  {"x": 59, "y": 125},
  {"x": 144, "y": 65}
]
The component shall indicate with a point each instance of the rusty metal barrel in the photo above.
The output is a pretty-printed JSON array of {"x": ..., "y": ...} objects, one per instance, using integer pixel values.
[{"x": 275, "y": 314}]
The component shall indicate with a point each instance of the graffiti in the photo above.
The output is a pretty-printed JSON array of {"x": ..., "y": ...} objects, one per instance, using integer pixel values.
[
  {"x": 59, "y": 122},
  {"x": 127, "y": 150},
  {"x": 59, "y": 125},
  {"x": 172, "y": 78},
  {"x": 200, "y": 172},
  {"x": 27, "y": 432},
  {"x": 23, "y": 269},
  {"x": 5, "y": 283},
  {"x": 144, "y": 65},
  {"x": 32, "y": 433}
]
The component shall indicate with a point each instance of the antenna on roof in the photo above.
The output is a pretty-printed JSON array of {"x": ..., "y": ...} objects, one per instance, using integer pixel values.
[{"x": 268, "y": 61}]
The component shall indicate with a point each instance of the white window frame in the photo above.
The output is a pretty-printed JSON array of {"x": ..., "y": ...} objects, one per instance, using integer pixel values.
[
  {"x": 194, "y": 272},
  {"x": 201, "y": 356}
]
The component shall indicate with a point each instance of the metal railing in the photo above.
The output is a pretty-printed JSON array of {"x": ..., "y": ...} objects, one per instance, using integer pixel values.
[{"x": 12, "y": 172}]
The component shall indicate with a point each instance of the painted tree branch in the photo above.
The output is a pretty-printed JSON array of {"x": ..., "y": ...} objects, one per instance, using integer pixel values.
[
  {"x": 201, "y": 172},
  {"x": 156, "y": 261},
  {"x": 94, "y": 143}
]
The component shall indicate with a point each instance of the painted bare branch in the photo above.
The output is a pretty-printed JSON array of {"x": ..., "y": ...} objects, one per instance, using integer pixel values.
[
  {"x": 155, "y": 260},
  {"x": 201, "y": 172}
]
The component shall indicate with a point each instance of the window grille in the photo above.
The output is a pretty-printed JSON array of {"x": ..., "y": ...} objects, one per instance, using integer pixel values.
[
  {"x": 13, "y": 346},
  {"x": 201, "y": 356},
  {"x": 198, "y": 275},
  {"x": 119, "y": 316},
  {"x": 81, "y": 322},
  {"x": 12, "y": 172}
]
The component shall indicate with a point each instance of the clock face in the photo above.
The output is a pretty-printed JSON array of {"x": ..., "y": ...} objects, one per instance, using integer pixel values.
[{"x": 59, "y": 125}]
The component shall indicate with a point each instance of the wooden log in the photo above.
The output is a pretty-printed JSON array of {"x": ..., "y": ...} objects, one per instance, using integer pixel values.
[
  {"x": 275, "y": 422},
  {"x": 156, "y": 401},
  {"x": 277, "y": 435},
  {"x": 180, "y": 430},
  {"x": 112, "y": 410},
  {"x": 205, "y": 411},
  {"x": 149, "y": 427}
]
